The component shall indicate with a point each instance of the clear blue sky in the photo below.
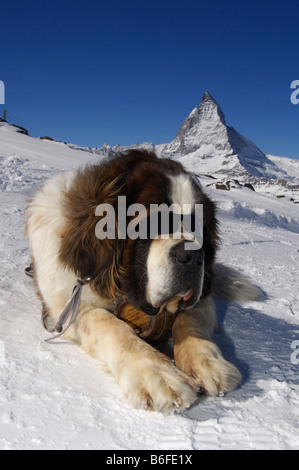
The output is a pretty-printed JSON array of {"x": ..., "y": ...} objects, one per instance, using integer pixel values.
[{"x": 95, "y": 72}]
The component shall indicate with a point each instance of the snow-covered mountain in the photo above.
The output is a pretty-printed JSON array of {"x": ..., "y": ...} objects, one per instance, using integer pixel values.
[
  {"x": 213, "y": 147},
  {"x": 209, "y": 146},
  {"x": 206, "y": 145}
]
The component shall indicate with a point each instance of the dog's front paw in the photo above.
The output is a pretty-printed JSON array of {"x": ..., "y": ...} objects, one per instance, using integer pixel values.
[
  {"x": 203, "y": 361},
  {"x": 156, "y": 384}
]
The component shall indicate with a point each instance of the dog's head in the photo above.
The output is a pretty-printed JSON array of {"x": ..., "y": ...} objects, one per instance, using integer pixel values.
[{"x": 134, "y": 228}]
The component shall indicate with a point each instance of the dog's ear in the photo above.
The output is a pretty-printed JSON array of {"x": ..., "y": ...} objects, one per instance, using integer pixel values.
[{"x": 80, "y": 249}]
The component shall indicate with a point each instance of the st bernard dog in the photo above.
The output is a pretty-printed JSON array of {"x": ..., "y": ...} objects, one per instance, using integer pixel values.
[{"x": 155, "y": 278}]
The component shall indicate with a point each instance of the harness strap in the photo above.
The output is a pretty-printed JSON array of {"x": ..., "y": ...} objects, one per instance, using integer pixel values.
[{"x": 69, "y": 312}]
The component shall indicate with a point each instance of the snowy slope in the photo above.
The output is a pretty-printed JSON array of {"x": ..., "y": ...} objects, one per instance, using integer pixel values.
[
  {"x": 53, "y": 396},
  {"x": 289, "y": 165},
  {"x": 55, "y": 154}
]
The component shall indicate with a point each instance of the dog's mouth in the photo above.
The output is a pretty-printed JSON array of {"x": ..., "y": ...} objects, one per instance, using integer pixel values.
[
  {"x": 174, "y": 305},
  {"x": 188, "y": 295},
  {"x": 183, "y": 302}
]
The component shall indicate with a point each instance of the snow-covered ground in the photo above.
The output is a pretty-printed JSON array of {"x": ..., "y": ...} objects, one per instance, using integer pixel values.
[{"x": 54, "y": 396}]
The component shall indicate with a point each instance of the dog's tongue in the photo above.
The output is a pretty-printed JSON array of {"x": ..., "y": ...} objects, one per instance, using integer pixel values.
[{"x": 188, "y": 296}]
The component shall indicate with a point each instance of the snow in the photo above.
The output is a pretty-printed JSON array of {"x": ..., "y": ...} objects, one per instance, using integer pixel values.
[
  {"x": 54, "y": 396},
  {"x": 289, "y": 165}
]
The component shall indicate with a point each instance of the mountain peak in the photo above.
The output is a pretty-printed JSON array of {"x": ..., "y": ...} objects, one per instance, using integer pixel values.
[
  {"x": 208, "y": 97},
  {"x": 210, "y": 109},
  {"x": 206, "y": 118}
]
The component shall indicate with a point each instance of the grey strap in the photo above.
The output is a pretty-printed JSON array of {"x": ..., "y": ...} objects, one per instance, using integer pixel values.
[{"x": 69, "y": 312}]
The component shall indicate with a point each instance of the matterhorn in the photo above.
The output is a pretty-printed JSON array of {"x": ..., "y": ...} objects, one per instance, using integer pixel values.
[{"x": 206, "y": 145}]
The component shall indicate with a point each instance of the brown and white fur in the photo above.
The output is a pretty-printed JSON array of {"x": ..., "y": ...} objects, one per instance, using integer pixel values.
[{"x": 60, "y": 224}]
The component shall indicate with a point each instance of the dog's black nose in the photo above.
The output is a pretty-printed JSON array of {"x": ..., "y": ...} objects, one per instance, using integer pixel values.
[
  {"x": 178, "y": 254},
  {"x": 149, "y": 309}
]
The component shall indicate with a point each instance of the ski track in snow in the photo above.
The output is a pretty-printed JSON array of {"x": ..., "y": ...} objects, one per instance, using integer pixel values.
[{"x": 54, "y": 396}]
